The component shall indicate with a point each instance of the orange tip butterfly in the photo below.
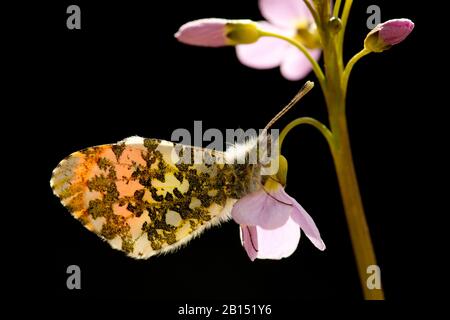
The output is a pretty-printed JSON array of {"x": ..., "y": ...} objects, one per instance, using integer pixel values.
[{"x": 139, "y": 198}]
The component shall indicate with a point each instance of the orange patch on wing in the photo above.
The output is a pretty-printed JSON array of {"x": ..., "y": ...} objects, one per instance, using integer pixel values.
[
  {"x": 132, "y": 155},
  {"x": 121, "y": 211}
]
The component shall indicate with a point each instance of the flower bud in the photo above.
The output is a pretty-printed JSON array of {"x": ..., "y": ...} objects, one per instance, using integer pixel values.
[
  {"x": 215, "y": 32},
  {"x": 335, "y": 25},
  {"x": 387, "y": 34}
]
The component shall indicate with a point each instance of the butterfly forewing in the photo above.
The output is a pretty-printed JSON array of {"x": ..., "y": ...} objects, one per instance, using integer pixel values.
[{"x": 142, "y": 200}]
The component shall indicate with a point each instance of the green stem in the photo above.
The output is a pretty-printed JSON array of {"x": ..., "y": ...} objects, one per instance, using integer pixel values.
[
  {"x": 316, "y": 68},
  {"x": 337, "y": 7},
  {"x": 344, "y": 19},
  {"x": 349, "y": 67},
  {"x": 335, "y": 97},
  {"x": 354, "y": 211},
  {"x": 312, "y": 10},
  {"x": 311, "y": 121}
]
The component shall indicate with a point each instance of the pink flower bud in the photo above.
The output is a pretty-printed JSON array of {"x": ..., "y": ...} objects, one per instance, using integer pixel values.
[
  {"x": 387, "y": 34},
  {"x": 214, "y": 32}
]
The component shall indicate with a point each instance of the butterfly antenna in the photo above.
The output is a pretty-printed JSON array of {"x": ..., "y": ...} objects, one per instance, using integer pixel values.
[{"x": 303, "y": 91}]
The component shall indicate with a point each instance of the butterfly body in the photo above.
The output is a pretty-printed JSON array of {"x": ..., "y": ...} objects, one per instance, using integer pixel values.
[{"x": 144, "y": 201}]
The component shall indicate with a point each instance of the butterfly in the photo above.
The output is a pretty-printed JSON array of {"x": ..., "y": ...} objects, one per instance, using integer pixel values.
[{"x": 141, "y": 198}]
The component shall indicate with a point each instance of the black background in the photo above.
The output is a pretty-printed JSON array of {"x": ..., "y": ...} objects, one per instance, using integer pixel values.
[{"x": 124, "y": 74}]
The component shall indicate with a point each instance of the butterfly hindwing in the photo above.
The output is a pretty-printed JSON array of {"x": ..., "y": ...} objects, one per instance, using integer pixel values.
[{"x": 136, "y": 196}]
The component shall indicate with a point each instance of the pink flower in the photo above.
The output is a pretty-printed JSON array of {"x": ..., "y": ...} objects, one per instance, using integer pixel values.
[
  {"x": 214, "y": 32},
  {"x": 387, "y": 34},
  {"x": 270, "y": 223},
  {"x": 290, "y": 18}
]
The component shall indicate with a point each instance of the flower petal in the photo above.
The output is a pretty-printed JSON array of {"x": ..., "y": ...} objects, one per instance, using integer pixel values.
[
  {"x": 306, "y": 223},
  {"x": 203, "y": 32},
  {"x": 278, "y": 243},
  {"x": 260, "y": 209},
  {"x": 295, "y": 65},
  {"x": 396, "y": 30},
  {"x": 284, "y": 13},
  {"x": 247, "y": 209},
  {"x": 249, "y": 241},
  {"x": 209, "y": 32},
  {"x": 266, "y": 53}
]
